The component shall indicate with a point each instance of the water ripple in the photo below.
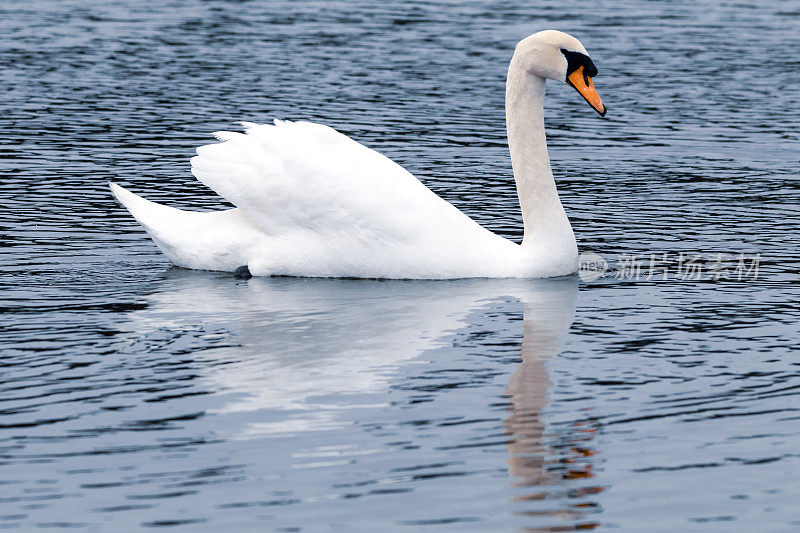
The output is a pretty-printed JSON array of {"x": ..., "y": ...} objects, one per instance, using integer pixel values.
[{"x": 134, "y": 395}]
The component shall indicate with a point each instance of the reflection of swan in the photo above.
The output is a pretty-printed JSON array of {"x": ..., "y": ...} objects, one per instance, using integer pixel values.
[
  {"x": 548, "y": 316},
  {"x": 312, "y": 202},
  {"x": 544, "y": 329},
  {"x": 300, "y": 343}
]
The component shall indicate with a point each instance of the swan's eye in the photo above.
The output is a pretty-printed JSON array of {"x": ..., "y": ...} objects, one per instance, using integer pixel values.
[{"x": 576, "y": 60}]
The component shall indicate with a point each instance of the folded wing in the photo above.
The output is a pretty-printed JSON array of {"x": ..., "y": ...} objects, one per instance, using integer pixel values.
[{"x": 299, "y": 177}]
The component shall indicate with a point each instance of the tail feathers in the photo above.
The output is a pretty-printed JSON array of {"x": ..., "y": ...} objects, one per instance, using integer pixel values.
[
  {"x": 147, "y": 213},
  {"x": 219, "y": 240}
]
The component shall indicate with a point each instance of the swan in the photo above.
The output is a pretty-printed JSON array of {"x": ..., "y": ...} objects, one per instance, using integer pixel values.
[{"x": 312, "y": 202}]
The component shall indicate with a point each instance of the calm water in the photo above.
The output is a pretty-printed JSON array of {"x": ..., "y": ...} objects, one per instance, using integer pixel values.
[{"x": 137, "y": 395}]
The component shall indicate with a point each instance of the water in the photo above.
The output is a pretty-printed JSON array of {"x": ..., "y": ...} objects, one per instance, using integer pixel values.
[{"x": 136, "y": 395}]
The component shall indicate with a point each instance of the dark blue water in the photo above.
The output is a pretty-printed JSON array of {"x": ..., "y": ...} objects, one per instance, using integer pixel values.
[{"x": 135, "y": 395}]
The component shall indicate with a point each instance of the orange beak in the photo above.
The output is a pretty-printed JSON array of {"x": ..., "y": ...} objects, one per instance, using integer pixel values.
[{"x": 584, "y": 85}]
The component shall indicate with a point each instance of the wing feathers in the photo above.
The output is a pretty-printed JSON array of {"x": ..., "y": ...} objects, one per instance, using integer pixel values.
[{"x": 300, "y": 175}]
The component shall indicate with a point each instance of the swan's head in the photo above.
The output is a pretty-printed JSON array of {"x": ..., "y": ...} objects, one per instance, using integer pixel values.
[{"x": 558, "y": 56}]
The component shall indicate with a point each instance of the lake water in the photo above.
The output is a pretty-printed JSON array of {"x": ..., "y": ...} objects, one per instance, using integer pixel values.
[{"x": 136, "y": 395}]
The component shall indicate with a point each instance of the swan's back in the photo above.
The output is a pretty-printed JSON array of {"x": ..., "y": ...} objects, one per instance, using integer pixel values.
[
  {"x": 312, "y": 202},
  {"x": 331, "y": 206},
  {"x": 306, "y": 177}
]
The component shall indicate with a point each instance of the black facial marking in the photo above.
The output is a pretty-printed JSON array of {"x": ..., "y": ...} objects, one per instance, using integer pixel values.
[{"x": 576, "y": 60}]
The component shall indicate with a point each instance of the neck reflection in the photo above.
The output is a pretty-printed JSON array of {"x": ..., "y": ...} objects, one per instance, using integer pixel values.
[{"x": 548, "y": 463}]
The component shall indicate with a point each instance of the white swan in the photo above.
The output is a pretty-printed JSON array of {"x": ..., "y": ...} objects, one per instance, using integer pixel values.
[{"x": 312, "y": 202}]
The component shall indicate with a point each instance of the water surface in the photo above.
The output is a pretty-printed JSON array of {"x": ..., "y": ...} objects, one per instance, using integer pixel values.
[{"x": 136, "y": 395}]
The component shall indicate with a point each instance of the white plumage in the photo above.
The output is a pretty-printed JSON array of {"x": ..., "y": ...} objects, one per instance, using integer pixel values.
[{"x": 312, "y": 202}]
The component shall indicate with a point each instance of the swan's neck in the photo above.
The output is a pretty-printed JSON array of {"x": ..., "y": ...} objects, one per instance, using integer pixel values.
[{"x": 546, "y": 223}]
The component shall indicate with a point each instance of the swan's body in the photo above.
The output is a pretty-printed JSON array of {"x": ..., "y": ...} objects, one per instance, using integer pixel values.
[{"x": 312, "y": 202}]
